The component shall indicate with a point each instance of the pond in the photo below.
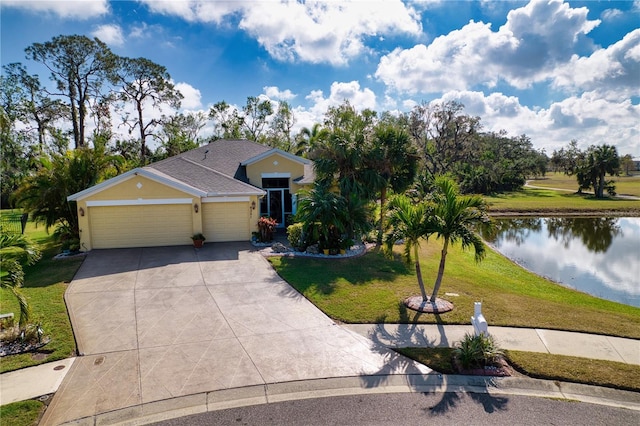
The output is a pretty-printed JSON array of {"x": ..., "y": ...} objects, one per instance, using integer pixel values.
[{"x": 599, "y": 256}]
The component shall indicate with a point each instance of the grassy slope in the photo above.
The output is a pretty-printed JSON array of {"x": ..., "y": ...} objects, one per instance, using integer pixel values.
[
  {"x": 45, "y": 284},
  {"x": 547, "y": 201},
  {"x": 370, "y": 289},
  {"x": 625, "y": 185}
]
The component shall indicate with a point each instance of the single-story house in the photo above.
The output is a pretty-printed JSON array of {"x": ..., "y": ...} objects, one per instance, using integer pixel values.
[{"x": 220, "y": 189}]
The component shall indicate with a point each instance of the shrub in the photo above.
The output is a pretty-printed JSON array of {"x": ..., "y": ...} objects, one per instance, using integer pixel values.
[
  {"x": 477, "y": 351},
  {"x": 266, "y": 227},
  {"x": 296, "y": 236}
]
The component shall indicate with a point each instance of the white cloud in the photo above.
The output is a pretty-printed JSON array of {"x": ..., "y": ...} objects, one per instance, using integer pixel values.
[
  {"x": 613, "y": 72},
  {"x": 526, "y": 49},
  {"x": 195, "y": 10},
  {"x": 313, "y": 31},
  {"x": 110, "y": 34},
  {"x": 73, "y": 9},
  {"x": 192, "y": 96},
  {"x": 140, "y": 31},
  {"x": 340, "y": 92},
  {"x": 589, "y": 119},
  {"x": 611, "y": 14},
  {"x": 274, "y": 92}
]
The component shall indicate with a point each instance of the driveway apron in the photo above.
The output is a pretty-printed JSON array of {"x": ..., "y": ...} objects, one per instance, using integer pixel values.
[{"x": 159, "y": 323}]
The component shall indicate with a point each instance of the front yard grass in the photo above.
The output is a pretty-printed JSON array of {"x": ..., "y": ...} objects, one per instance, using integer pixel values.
[
  {"x": 23, "y": 413},
  {"x": 45, "y": 284},
  {"x": 595, "y": 372},
  {"x": 371, "y": 288}
]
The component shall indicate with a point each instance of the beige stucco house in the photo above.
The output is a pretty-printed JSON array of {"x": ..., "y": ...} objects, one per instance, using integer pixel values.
[{"x": 220, "y": 189}]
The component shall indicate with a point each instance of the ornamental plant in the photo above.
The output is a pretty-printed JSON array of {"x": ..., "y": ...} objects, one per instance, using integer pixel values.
[{"x": 266, "y": 227}]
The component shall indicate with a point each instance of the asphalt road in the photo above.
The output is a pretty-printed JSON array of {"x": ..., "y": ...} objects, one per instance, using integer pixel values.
[{"x": 418, "y": 409}]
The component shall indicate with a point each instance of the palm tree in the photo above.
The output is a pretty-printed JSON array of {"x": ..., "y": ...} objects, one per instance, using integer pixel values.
[
  {"x": 15, "y": 248},
  {"x": 323, "y": 214},
  {"x": 44, "y": 194},
  {"x": 308, "y": 139},
  {"x": 606, "y": 160},
  {"x": 342, "y": 157},
  {"x": 409, "y": 220},
  {"x": 395, "y": 160},
  {"x": 453, "y": 219}
]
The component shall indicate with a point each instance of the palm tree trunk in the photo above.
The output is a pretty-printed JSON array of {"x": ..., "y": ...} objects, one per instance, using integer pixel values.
[
  {"x": 383, "y": 204},
  {"x": 25, "y": 311},
  {"x": 419, "y": 274},
  {"x": 443, "y": 258},
  {"x": 600, "y": 189}
]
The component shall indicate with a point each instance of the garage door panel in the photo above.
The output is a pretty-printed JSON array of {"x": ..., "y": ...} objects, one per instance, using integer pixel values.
[
  {"x": 140, "y": 226},
  {"x": 227, "y": 221}
]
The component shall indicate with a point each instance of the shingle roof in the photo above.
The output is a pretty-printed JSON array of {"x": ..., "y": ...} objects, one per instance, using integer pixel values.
[
  {"x": 211, "y": 170},
  {"x": 225, "y": 155},
  {"x": 203, "y": 178},
  {"x": 217, "y": 168},
  {"x": 309, "y": 175}
]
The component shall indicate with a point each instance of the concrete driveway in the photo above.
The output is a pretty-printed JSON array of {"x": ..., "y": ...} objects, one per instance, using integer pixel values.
[{"x": 160, "y": 323}]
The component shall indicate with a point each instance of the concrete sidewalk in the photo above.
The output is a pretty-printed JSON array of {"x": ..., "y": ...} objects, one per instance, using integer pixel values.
[
  {"x": 33, "y": 382},
  {"x": 522, "y": 339}
]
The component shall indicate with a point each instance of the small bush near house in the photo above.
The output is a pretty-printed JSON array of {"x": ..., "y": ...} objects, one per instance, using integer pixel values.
[
  {"x": 295, "y": 236},
  {"x": 266, "y": 227}
]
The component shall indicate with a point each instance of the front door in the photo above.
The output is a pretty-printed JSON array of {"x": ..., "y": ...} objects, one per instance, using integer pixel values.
[
  {"x": 275, "y": 205},
  {"x": 278, "y": 203}
]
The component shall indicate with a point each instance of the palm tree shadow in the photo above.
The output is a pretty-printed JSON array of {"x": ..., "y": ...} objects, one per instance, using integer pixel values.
[
  {"x": 452, "y": 388},
  {"x": 452, "y": 398}
]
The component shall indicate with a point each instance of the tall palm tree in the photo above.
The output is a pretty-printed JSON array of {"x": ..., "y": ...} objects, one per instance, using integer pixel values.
[
  {"x": 394, "y": 160},
  {"x": 453, "y": 220},
  {"x": 342, "y": 157},
  {"x": 308, "y": 139},
  {"x": 14, "y": 249},
  {"x": 606, "y": 160},
  {"x": 409, "y": 221}
]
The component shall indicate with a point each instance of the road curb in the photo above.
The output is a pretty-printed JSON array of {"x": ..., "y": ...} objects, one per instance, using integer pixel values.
[{"x": 360, "y": 385}]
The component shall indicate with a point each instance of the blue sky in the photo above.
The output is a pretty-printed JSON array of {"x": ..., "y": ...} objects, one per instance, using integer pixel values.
[{"x": 553, "y": 70}]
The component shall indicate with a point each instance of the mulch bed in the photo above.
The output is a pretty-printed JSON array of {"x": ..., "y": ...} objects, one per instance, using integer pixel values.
[
  {"x": 17, "y": 346},
  {"x": 503, "y": 369}
]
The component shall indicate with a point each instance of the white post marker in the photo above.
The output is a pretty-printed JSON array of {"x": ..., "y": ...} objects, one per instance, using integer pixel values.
[{"x": 480, "y": 325}]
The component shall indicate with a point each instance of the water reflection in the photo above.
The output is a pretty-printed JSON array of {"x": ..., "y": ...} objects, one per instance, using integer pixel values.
[
  {"x": 600, "y": 256},
  {"x": 596, "y": 233}
]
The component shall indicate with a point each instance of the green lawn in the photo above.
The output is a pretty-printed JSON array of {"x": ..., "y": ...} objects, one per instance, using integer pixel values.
[
  {"x": 544, "y": 366},
  {"x": 625, "y": 185},
  {"x": 370, "y": 289},
  {"x": 23, "y": 413},
  {"x": 45, "y": 284},
  {"x": 549, "y": 202}
]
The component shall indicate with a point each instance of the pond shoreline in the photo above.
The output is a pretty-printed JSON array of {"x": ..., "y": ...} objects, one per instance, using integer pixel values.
[{"x": 573, "y": 213}]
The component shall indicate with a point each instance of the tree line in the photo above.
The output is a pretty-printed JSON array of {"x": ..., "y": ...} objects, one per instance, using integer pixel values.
[{"x": 367, "y": 153}]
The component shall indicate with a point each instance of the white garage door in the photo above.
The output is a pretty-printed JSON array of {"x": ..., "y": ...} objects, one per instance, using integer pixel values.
[
  {"x": 140, "y": 226},
  {"x": 227, "y": 221}
]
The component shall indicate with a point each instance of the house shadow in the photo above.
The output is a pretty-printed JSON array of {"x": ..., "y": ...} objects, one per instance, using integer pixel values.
[
  {"x": 103, "y": 262},
  {"x": 452, "y": 388}
]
